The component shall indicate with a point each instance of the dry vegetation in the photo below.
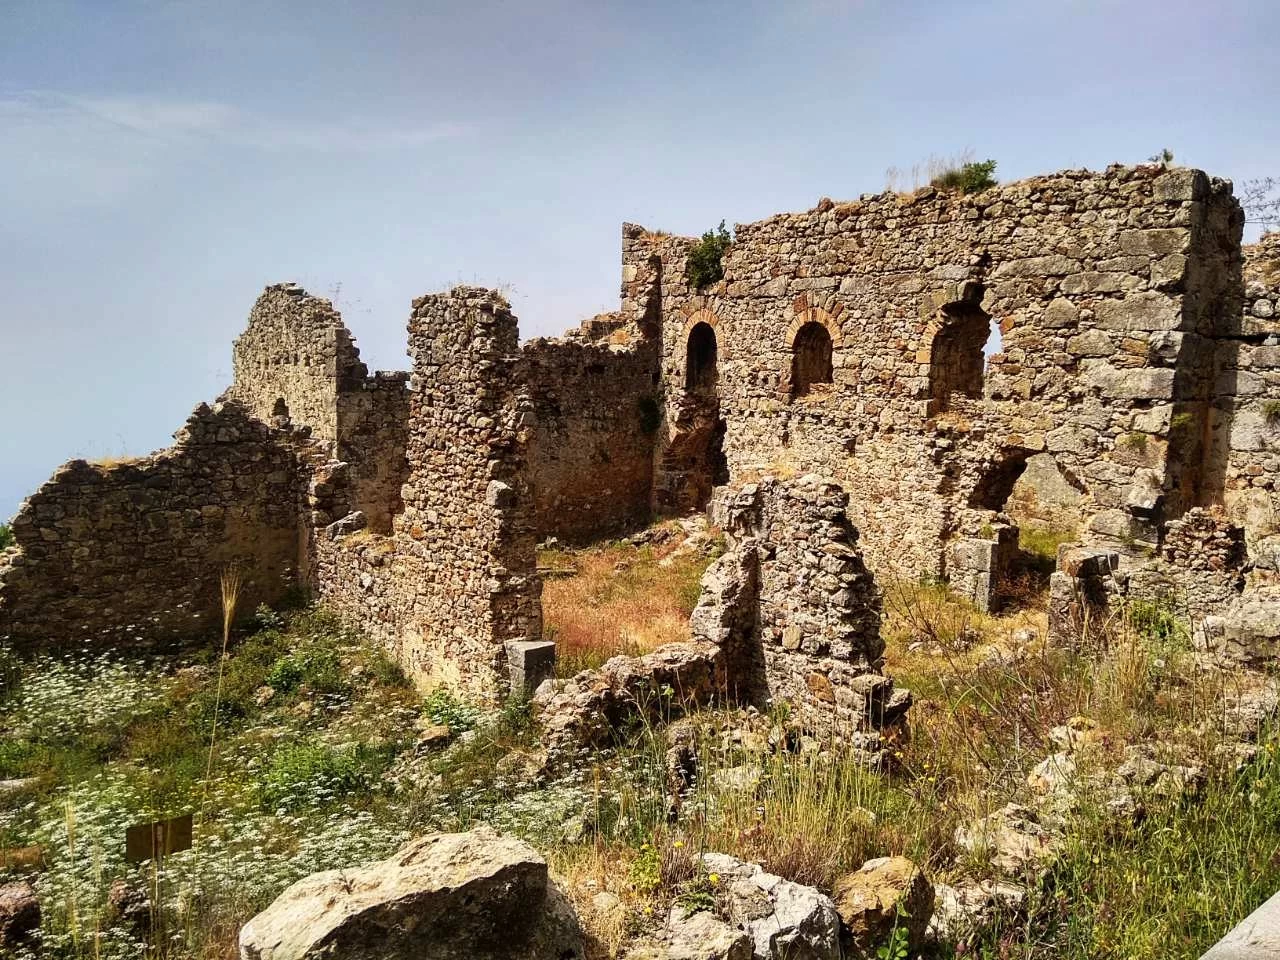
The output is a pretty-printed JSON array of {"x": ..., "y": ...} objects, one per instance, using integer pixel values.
[{"x": 620, "y": 598}]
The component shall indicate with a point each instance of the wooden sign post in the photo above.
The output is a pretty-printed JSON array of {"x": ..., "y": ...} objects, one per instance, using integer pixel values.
[{"x": 154, "y": 841}]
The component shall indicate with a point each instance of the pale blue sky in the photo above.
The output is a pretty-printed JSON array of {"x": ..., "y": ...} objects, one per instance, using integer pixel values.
[{"x": 162, "y": 161}]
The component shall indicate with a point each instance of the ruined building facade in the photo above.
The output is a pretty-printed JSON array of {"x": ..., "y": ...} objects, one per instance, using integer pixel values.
[{"x": 1128, "y": 410}]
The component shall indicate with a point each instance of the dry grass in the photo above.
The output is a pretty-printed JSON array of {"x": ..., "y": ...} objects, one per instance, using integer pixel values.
[
  {"x": 621, "y": 599},
  {"x": 110, "y": 463}
]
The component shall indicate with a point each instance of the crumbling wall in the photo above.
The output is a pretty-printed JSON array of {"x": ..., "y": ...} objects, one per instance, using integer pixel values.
[
  {"x": 802, "y": 623},
  {"x": 373, "y": 437},
  {"x": 1102, "y": 284},
  {"x": 788, "y": 614},
  {"x": 297, "y": 367},
  {"x": 456, "y": 580},
  {"x": 1246, "y": 407},
  {"x": 293, "y": 359},
  {"x": 132, "y": 551},
  {"x": 591, "y": 452}
]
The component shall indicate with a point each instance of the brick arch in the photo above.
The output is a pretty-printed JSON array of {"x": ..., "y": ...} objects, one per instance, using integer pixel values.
[
  {"x": 705, "y": 315},
  {"x": 815, "y": 315}
]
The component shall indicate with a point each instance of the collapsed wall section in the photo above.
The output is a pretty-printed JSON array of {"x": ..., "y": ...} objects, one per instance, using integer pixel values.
[{"x": 125, "y": 552}]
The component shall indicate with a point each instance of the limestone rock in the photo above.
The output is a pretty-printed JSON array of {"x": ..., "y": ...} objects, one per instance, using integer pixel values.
[
  {"x": 966, "y": 909},
  {"x": 882, "y": 894},
  {"x": 1246, "y": 632},
  {"x": 694, "y": 936},
  {"x": 1014, "y": 839},
  {"x": 474, "y": 895},
  {"x": 784, "y": 920}
]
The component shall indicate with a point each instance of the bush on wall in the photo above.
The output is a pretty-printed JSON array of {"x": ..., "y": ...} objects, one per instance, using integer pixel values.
[{"x": 704, "y": 264}]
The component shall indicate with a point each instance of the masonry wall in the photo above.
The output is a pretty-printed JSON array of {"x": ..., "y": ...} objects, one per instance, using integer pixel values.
[
  {"x": 294, "y": 357},
  {"x": 456, "y": 579},
  {"x": 1246, "y": 407},
  {"x": 1101, "y": 284},
  {"x": 297, "y": 366},
  {"x": 591, "y": 453},
  {"x": 124, "y": 553}
]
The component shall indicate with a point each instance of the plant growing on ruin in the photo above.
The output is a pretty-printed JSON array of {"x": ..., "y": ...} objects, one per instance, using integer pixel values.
[
  {"x": 972, "y": 177},
  {"x": 6, "y": 536},
  {"x": 1271, "y": 411},
  {"x": 704, "y": 264},
  {"x": 1163, "y": 155}
]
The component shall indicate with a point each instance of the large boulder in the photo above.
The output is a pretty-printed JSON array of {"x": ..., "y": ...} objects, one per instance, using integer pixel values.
[
  {"x": 884, "y": 894},
  {"x": 784, "y": 920},
  {"x": 448, "y": 896}
]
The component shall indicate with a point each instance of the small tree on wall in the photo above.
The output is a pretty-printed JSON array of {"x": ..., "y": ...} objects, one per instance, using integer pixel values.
[{"x": 704, "y": 263}]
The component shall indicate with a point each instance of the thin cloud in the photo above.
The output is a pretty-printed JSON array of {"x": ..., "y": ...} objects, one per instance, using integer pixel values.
[{"x": 176, "y": 120}]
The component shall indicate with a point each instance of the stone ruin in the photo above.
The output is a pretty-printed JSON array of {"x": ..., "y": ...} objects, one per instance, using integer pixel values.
[{"x": 1132, "y": 406}]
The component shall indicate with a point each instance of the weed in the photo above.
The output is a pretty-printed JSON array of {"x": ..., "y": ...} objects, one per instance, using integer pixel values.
[
  {"x": 315, "y": 774},
  {"x": 971, "y": 177},
  {"x": 6, "y": 536},
  {"x": 704, "y": 264},
  {"x": 1271, "y": 411},
  {"x": 443, "y": 706}
]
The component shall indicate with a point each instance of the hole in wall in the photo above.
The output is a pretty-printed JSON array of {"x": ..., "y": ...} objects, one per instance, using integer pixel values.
[
  {"x": 810, "y": 358},
  {"x": 701, "y": 357}
]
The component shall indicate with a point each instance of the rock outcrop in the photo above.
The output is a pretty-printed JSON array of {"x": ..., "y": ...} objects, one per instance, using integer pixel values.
[{"x": 475, "y": 895}]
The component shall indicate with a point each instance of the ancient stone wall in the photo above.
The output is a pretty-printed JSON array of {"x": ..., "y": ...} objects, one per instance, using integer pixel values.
[
  {"x": 1246, "y": 407},
  {"x": 293, "y": 359},
  {"x": 132, "y": 551},
  {"x": 596, "y": 409},
  {"x": 373, "y": 418},
  {"x": 1104, "y": 286},
  {"x": 812, "y": 636},
  {"x": 456, "y": 580}
]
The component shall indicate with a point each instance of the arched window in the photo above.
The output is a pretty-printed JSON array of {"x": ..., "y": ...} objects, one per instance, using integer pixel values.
[
  {"x": 957, "y": 360},
  {"x": 810, "y": 358},
  {"x": 700, "y": 358},
  {"x": 281, "y": 409}
]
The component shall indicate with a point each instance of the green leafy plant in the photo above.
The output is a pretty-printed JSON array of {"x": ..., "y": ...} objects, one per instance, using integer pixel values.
[
  {"x": 972, "y": 177},
  {"x": 6, "y": 536},
  {"x": 1163, "y": 155},
  {"x": 704, "y": 264},
  {"x": 443, "y": 706}
]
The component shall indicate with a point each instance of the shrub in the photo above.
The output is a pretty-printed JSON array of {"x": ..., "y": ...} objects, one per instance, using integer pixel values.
[
  {"x": 705, "y": 265},
  {"x": 1271, "y": 410},
  {"x": 443, "y": 706},
  {"x": 6, "y": 536},
  {"x": 972, "y": 177}
]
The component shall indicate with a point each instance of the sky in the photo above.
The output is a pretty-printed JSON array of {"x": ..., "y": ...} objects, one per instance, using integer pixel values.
[{"x": 161, "y": 162}]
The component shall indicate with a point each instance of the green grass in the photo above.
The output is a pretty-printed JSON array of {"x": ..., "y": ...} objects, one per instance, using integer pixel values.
[{"x": 973, "y": 177}]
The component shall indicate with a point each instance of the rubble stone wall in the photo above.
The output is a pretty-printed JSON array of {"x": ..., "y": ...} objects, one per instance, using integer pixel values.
[
  {"x": 456, "y": 579},
  {"x": 1246, "y": 407},
  {"x": 117, "y": 554},
  {"x": 293, "y": 359},
  {"x": 373, "y": 437},
  {"x": 1088, "y": 277},
  {"x": 814, "y": 634},
  {"x": 591, "y": 454}
]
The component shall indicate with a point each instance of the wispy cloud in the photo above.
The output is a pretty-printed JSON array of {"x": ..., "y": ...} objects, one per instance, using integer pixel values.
[
  {"x": 66, "y": 149},
  {"x": 174, "y": 120}
]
